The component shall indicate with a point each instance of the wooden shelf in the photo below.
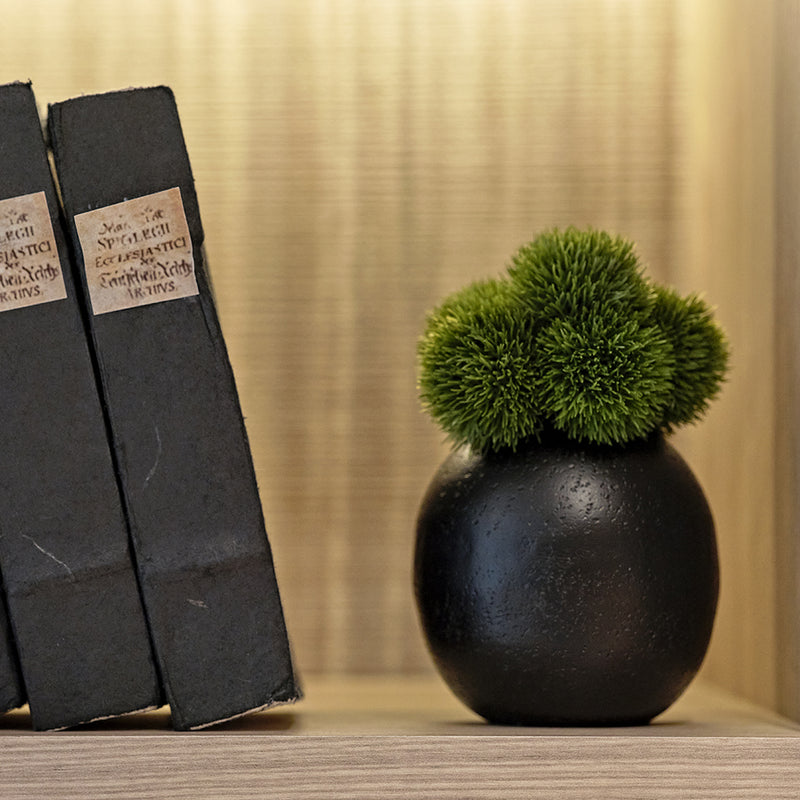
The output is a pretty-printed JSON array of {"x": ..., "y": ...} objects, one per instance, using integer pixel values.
[{"x": 407, "y": 737}]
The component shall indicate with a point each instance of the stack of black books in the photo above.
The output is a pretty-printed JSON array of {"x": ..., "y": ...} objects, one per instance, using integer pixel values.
[{"x": 135, "y": 562}]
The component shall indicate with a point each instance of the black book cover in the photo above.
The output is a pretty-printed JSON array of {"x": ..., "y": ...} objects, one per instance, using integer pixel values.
[
  {"x": 72, "y": 593},
  {"x": 182, "y": 454},
  {"x": 12, "y": 692}
]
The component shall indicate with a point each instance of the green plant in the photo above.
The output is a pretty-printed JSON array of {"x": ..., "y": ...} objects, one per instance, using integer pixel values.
[{"x": 574, "y": 337}]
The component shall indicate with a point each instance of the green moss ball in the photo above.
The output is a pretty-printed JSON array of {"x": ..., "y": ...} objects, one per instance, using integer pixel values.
[
  {"x": 574, "y": 338},
  {"x": 606, "y": 379},
  {"x": 477, "y": 372},
  {"x": 700, "y": 351},
  {"x": 575, "y": 272}
]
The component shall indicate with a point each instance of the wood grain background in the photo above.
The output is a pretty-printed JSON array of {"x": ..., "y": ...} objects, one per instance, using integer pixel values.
[{"x": 356, "y": 160}]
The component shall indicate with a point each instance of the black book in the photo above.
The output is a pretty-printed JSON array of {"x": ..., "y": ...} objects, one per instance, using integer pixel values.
[
  {"x": 12, "y": 692},
  {"x": 71, "y": 589},
  {"x": 178, "y": 435}
]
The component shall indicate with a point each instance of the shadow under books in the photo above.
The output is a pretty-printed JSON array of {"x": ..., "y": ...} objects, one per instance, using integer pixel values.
[{"x": 157, "y": 721}]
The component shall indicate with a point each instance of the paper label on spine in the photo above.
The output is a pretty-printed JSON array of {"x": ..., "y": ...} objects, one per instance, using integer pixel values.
[
  {"x": 137, "y": 252},
  {"x": 30, "y": 270}
]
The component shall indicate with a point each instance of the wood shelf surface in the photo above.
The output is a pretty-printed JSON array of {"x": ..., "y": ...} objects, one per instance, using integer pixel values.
[{"x": 370, "y": 737}]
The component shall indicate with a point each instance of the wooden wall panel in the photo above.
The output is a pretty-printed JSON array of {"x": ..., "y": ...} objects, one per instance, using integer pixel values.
[
  {"x": 727, "y": 77},
  {"x": 787, "y": 353},
  {"x": 356, "y": 160}
]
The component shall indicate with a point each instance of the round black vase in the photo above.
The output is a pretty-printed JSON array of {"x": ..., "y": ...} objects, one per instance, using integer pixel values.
[{"x": 567, "y": 584}]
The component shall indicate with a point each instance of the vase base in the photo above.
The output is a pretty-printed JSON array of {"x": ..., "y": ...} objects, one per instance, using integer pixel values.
[{"x": 548, "y": 722}]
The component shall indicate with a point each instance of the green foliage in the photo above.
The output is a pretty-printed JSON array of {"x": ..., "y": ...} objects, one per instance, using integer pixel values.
[
  {"x": 477, "y": 372},
  {"x": 701, "y": 354},
  {"x": 573, "y": 273},
  {"x": 604, "y": 378},
  {"x": 573, "y": 338}
]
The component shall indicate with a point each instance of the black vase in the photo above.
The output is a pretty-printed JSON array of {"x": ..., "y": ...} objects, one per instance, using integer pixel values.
[{"x": 567, "y": 584}]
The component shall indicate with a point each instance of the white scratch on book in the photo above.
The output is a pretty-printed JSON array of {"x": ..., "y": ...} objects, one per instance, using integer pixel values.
[
  {"x": 158, "y": 457},
  {"x": 46, "y": 552},
  {"x": 198, "y": 603}
]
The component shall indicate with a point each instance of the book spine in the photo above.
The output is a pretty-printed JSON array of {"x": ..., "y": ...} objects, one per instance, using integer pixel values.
[
  {"x": 184, "y": 462},
  {"x": 12, "y": 691},
  {"x": 72, "y": 592}
]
